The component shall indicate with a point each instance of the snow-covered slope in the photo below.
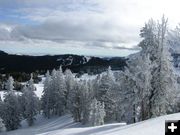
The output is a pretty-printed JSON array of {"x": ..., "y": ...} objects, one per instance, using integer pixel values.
[
  {"x": 154, "y": 126},
  {"x": 43, "y": 125},
  {"x": 65, "y": 126}
]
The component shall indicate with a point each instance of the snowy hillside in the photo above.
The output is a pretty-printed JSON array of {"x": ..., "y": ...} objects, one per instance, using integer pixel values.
[
  {"x": 43, "y": 125},
  {"x": 65, "y": 126}
]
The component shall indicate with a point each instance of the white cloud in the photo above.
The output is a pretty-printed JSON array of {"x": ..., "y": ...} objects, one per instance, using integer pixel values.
[
  {"x": 41, "y": 47},
  {"x": 88, "y": 23}
]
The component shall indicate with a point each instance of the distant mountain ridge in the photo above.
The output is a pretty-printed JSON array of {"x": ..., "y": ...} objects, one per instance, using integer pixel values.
[
  {"x": 10, "y": 63},
  {"x": 3, "y": 53}
]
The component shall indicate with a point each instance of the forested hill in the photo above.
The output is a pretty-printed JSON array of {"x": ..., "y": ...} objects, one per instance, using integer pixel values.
[{"x": 22, "y": 63}]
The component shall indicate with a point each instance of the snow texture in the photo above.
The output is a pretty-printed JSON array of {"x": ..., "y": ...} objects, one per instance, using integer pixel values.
[{"x": 65, "y": 126}]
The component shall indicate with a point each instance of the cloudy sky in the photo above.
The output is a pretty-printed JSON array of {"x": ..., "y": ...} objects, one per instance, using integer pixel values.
[{"x": 88, "y": 27}]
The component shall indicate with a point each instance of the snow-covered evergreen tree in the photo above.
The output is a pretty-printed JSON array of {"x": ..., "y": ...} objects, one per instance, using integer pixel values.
[
  {"x": 173, "y": 40},
  {"x": 22, "y": 102},
  {"x": 70, "y": 83},
  {"x": 76, "y": 101},
  {"x": 97, "y": 113},
  {"x": 163, "y": 81},
  {"x": 59, "y": 90},
  {"x": 54, "y": 94},
  {"x": 105, "y": 83},
  {"x": 104, "y": 90},
  {"x": 139, "y": 73},
  {"x": 9, "y": 85},
  {"x": 127, "y": 102},
  {"x": 86, "y": 99},
  {"x": 12, "y": 111},
  {"x": 30, "y": 102},
  {"x": 47, "y": 99}
]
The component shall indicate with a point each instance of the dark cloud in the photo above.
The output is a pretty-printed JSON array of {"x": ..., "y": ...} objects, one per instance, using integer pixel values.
[
  {"x": 69, "y": 30},
  {"x": 134, "y": 48}
]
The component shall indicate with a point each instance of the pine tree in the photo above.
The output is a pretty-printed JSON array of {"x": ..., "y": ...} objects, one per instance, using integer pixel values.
[
  {"x": 173, "y": 41},
  {"x": 106, "y": 86},
  {"x": 76, "y": 101},
  {"x": 11, "y": 107},
  {"x": 60, "y": 92},
  {"x": 22, "y": 102},
  {"x": 86, "y": 100},
  {"x": 54, "y": 94},
  {"x": 70, "y": 83},
  {"x": 139, "y": 66},
  {"x": 127, "y": 102},
  {"x": 47, "y": 102},
  {"x": 12, "y": 114},
  {"x": 105, "y": 83},
  {"x": 9, "y": 85},
  {"x": 163, "y": 80},
  {"x": 97, "y": 113},
  {"x": 31, "y": 102}
]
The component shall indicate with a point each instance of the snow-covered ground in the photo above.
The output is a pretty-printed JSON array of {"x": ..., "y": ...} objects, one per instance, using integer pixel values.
[
  {"x": 87, "y": 77},
  {"x": 65, "y": 126},
  {"x": 40, "y": 87},
  {"x": 43, "y": 125},
  {"x": 154, "y": 126}
]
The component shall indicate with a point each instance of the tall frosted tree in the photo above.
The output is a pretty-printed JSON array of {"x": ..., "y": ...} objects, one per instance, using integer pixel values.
[
  {"x": 105, "y": 84},
  {"x": 139, "y": 73},
  {"x": 76, "y": 101},
  {"x": 70, "y": 84},
  {"x": 47, "y": 101},
  {"x": 127, "y": 100},
  {"x": 12, "y": 111},
  {"x": 163, "y": 83},
  {"x": 60, "y": 91},
  {"x": 9, "y": 85},
  {"x": 22, "y": 102},
  {"x": 30, "y": 102},
  {"x": 97, "y": 113},
  {"x": 104, "y": 90},
  {"x": 86, "y": 100},
  {"x": 173, "y": 40},
  {"x": 54, "y": 94}
]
